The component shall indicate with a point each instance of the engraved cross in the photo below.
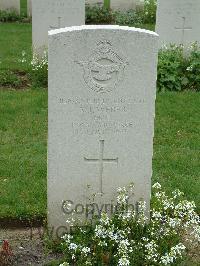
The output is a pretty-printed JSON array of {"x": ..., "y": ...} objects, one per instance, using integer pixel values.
[
  {"x": 59, "y": 24},
  {"x": 183, "y": 29},
  {"x": 101, "y": 160}
]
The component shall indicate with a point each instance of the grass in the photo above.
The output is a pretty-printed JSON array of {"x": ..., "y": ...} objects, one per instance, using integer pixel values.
[
  {"x": 23, "y": 137},
  {"x": 177, "y": 143},
  {"x": 23, "y": 4},
  {"x": 14, "y": 38},
  {"x": 23, "y": 145}
]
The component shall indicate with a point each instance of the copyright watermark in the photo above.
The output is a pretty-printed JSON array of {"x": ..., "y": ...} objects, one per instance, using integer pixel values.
[{"x": 69, "y": 207}]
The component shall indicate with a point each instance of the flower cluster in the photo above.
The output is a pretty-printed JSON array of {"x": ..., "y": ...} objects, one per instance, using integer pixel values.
[
  {"x": 179, "y": 68},
  {"x": 131, "y": 237},
  {"x": 36, "y": 67},
  {"x": 39, "y": 62},
  {"x": 150, "y": 11}
]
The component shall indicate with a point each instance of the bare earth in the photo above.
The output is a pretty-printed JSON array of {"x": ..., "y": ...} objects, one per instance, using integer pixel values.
[{"x": 27, "y": 247}]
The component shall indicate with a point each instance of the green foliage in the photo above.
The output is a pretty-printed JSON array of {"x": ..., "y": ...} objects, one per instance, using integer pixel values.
[
  {"x": 170, "y": 63},
  {"x": 128, "y": 18},
  {"x": 192, "y": 74},
  {"x": 126, "y": 238},
  {"x": 9, "y": 79},
  {"x": 99, "y": 15},
  {"x": 107, "y": 4},
  {"x": 10, "y": 16},
  {"x": 36, "y": 68},
  {"x": 179, "y": 68},
  {"x": 23, "y": 9},
  {"x": 149, "y": 12},
  {"x": 23, "y": 131},
  {"x": 23, "y": 142},
  {"x": 39, "y": 71},
  {"x": 104, "y": 15}
]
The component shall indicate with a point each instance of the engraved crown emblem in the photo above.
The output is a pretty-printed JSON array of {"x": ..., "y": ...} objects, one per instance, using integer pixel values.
[{"x": 104, "y": 69}]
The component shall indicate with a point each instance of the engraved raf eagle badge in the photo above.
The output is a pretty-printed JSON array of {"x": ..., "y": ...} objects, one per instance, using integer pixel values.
[{"x": 104, "y": 69}]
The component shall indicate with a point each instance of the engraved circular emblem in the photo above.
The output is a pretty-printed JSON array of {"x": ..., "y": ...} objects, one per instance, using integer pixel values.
[{"x": 104, "y": 69}]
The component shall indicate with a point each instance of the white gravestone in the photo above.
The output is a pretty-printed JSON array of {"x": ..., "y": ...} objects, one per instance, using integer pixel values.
[
  {"x": 122, "y": 5},
  {"x": 102, "y": 89},
  {"x": 29, "y": 8},
  {"x": 10, "y": 5},
  {"x": 53, "y": 14},
  {"x": 178, "y": 22}
]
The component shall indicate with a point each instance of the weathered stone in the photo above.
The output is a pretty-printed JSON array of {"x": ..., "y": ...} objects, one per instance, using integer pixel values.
[
  {"x": 122, "y": 5},
  {"x": 51, "y": 14},
  {"x": 10, "y": 5},
  {"x": 102, "y": 87},
  {"x": 178, "y": 22},
  {"x": 29, "y": 8}
]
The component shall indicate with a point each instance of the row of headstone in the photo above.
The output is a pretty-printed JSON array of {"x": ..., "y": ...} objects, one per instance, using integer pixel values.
[
  {"x": 177, "y": 22},
  {"x": 10, "y": 5}
]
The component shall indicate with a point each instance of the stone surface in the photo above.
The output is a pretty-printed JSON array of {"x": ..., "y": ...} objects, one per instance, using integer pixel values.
[
  {"x": 178, "y": 21},
  {"x": 51, "y": 14},
  {"x": 94, "y": 2},
  {"x": 122, "y": 5},
  {"x": 10, "y": 5},
  {"x": 29, "y": 8},
  {"x": 102, "y": 87}
]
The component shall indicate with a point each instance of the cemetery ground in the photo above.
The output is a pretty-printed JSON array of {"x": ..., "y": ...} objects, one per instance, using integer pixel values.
[{"x": 23, "y": 139}]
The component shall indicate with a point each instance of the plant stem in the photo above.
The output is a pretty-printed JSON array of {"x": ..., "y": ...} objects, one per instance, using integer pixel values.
[{"x": 107, "y": 4}]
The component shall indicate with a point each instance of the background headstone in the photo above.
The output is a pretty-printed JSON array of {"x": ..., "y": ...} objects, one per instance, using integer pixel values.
[
  {"x": 29, "y": 8},
  {"x": 10, "y": 5},
  {"x": 178, "y": 22},
  {"x": 122, "y": 5},
  {"x": 102, "y": 87},
  {"x": 51, "y": 14}
]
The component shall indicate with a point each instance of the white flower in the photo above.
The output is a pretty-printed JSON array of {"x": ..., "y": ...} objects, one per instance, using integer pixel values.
[
  {"x": 100, "y": 231},
  {"x": 177, "y": 193},
  {"x": 175, "y": 252},
  {"x": 157, "y": 185},
  {"x": 174, "y": 222},
  {"x": 85, "y": 250},
  {"x": 124, "y": 244},
  {"x": 104, "y": 219},
  {"x": 73, "y": 246},
  {"x": 123, "y": 262},
  {"x": 67, "y": 238},
  {"x": 156, "y": 215},
  {"x": 88, "y": 263},
  {"x": 190, "y": 68}
]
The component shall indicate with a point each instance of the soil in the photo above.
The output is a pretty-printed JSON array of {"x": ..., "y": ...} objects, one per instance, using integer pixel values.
[
  {"x": 23, "y": 84},
  {"x": 27, "y": 247}
]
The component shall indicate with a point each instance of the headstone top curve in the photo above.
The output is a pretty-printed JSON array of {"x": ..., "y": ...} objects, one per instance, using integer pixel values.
[{"x": 103, "y": 27}]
